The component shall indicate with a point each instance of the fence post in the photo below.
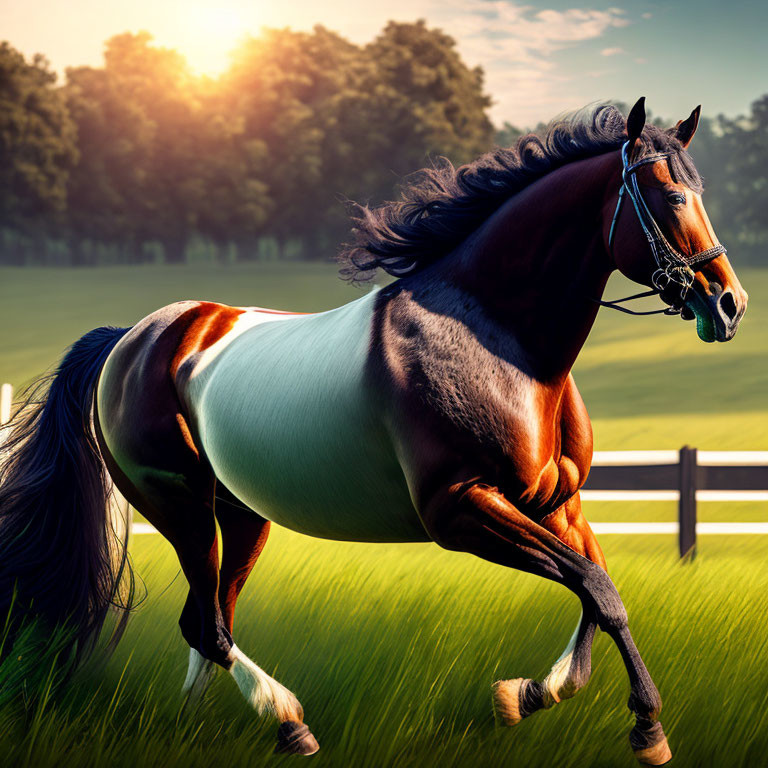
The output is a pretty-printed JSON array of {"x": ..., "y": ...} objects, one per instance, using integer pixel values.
[
  {"x": 687, "y": 504},
  {"x": 6, "y": 399}
]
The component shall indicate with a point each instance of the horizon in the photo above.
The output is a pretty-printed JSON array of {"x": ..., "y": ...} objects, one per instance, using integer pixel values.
[{"x": 540, "y": 59}]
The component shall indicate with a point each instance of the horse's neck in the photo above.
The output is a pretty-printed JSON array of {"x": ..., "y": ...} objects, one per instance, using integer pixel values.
[{"x": 537, "y": 265}]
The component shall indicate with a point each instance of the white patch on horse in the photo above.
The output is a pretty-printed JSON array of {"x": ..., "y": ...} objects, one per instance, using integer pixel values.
[
  {"x": 558, "y": 683},
  {"x": 263, "y": 692},
  {"x": 283, "y": 410},
  {"x": 200, "y": 672},
  {"x": 249, "y": 319}
]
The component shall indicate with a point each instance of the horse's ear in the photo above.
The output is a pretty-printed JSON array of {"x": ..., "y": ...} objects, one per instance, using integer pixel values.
[
  {"x": 686, "y": 128},
  {"x": 635, "y": 122}
]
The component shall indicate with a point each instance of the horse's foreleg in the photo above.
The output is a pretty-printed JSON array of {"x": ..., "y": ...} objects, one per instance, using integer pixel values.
[
  {"x": 477, "y": 518},
  {"x": 520, "y": 697}
]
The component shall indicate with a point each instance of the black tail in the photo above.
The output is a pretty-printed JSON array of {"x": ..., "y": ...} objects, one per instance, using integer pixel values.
[{"x": 61, "y": 561}]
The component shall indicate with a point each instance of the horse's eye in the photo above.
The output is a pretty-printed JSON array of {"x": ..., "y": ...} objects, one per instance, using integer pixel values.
[{"x": 676, "y": 198}]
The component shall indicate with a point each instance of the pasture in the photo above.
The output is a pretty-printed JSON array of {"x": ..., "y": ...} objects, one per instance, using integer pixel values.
[{"x": 392, "y": 648}]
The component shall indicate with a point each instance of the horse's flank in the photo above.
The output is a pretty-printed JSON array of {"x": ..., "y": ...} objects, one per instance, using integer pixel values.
[{"x": 292, "y": 427}]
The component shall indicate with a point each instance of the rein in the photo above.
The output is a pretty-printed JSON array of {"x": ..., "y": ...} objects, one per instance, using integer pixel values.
[{"x": 673, "y": 269}]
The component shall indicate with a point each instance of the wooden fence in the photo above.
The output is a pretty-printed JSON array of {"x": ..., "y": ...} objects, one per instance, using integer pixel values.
[{"x": 687, "y": 476}]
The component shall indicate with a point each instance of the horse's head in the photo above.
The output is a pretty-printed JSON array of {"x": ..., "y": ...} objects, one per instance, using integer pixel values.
[{"x": 664, "y": 237}]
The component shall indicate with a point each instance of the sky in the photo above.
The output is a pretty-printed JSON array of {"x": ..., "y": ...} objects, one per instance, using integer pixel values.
[{"x": 540, "y": 58}]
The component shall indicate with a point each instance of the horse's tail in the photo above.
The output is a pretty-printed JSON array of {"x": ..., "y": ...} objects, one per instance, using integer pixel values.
[{"x": 61, "y": 561}]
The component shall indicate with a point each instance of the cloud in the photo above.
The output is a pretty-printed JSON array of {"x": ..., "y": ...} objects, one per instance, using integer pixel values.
[
  {"x": 647, "y": 15},
  {"x": 514, "y": 44},
  {"x": 611, "y": 51},
  {"x": 522, "y": 34}
]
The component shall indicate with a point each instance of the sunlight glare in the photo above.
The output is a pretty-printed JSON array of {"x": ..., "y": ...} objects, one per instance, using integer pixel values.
[{"x": 207, "y": 35}]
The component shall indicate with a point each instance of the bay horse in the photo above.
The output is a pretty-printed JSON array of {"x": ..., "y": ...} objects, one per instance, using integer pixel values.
[{"x": 439, "y": 408}]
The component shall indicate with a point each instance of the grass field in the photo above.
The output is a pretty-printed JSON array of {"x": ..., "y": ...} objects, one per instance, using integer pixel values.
[
  {"x": 648, "y": 381},
  {"x": 392, "y": 648}
]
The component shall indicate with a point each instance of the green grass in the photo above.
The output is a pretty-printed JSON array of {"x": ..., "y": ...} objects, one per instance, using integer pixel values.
[
  {"x": 648, "y": 382},
  {"x": 392, "y": 649}
]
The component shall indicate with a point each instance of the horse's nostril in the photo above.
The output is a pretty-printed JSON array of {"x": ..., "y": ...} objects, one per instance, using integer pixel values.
[{"x": 728, "y": 305}]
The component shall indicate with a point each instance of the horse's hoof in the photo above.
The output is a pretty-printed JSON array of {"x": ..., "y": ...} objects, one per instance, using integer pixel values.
[
  {"x": 658, "y": 754},
  {"x": 295, "y": 739},
  {"x": 507, "y": 700}
]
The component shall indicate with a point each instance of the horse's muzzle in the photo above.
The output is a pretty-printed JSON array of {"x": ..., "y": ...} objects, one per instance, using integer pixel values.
[{"x": 718, "y": 311}]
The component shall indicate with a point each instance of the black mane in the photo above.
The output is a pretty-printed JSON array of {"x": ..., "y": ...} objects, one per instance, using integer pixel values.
[{"x": 441, "y": 206}]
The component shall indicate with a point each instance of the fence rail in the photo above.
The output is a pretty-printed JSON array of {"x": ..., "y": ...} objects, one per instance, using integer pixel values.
[{"x": 686, "y": 476}]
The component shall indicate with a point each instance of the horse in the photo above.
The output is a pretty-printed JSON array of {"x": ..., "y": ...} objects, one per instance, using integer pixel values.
[{"x": 439, "y": 408}]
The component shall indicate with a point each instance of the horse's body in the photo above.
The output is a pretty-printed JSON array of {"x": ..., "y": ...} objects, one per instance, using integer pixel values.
[
  {"x": 281, "y": 407},
  {"x": 440, "y": 407}
]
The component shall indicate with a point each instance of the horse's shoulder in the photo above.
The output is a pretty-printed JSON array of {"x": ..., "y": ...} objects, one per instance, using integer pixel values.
[{"x": 442, "y": 346}]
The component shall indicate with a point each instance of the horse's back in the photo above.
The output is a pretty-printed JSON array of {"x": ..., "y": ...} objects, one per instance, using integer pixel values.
[{"x": 290, "y": 424}]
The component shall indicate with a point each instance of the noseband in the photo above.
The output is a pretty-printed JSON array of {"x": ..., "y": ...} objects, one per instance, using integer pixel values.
[{"x": 673, "y": 277}]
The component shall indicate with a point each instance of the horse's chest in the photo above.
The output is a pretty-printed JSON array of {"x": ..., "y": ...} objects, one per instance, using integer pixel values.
[
  {"x": 550, "y": 456},
  {"x": 535, "y": 439}
]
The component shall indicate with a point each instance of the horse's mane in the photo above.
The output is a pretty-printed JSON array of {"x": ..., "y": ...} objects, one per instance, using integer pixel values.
[{"x": 441, "y": 206}]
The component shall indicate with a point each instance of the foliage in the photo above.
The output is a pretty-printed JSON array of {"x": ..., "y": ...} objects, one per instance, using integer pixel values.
[
  {"x": 297, "y": 122},
  {"x": 138, "y": 157},
  {"x": 37, "y": 145},
  {"x": 733, "y": 154}
]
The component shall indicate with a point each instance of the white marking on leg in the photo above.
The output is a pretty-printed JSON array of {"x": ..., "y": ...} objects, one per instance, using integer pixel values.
[
  {"x": 558, "y": 684},
  {"x": 263, "y": 692},
  {"x": 200, "y": 672}
]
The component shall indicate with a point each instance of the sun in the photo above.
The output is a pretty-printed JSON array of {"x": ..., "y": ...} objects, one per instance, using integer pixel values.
[{"x": 206, "y": 36}]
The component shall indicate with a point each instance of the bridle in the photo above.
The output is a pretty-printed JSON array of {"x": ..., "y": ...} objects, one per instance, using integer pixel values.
[{"x": 673, "y": 277}]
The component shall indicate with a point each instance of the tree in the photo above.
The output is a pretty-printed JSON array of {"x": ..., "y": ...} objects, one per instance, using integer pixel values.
[
  {"x": 425, "y": 100},
  {"x": 37, "y": 145},
  {"x": 234, "y": 197},
  {"x": 508, "y": 135},
  {"x": 156, "y": 82},
  {"x": 108, "y": 186},
  {"x": 743, "y": 160},
  {"x": 338, "y": 120},
  {"x": 287, "y": 87}
]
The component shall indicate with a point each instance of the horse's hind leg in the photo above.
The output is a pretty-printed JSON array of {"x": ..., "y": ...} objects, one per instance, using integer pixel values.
[
  {"x": 201, "y": 621},
  {"x": 152, "y": 456},
  {"x": 180, "y": 506},
  {"x": 244, "y": 534},
  {"x": 191, "y": 529}
]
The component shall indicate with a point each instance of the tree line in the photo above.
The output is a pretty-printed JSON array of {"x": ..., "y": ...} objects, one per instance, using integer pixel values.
[{"x": 139, "y": 160}]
